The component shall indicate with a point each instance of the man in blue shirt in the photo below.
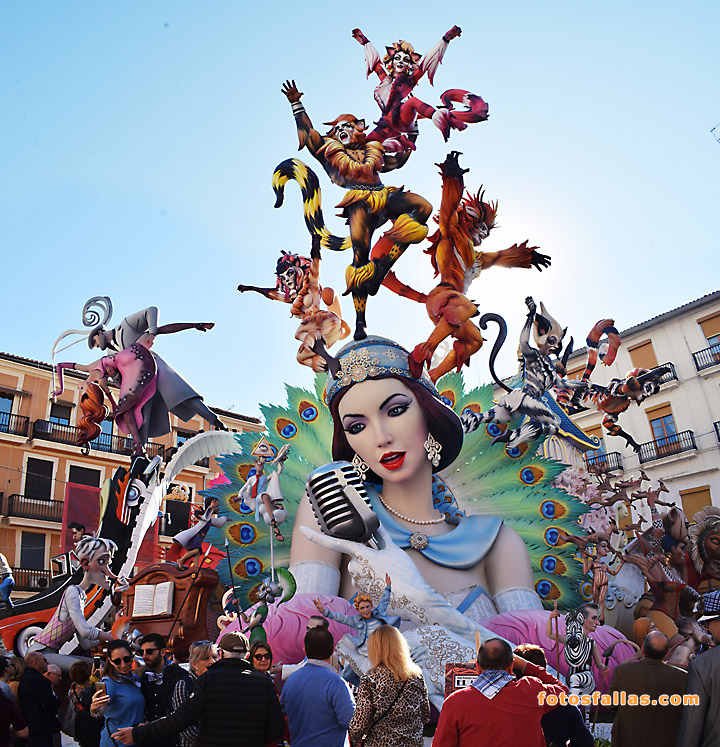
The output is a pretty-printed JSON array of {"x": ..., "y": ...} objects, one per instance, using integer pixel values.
[{"x": 316, "y": 699}]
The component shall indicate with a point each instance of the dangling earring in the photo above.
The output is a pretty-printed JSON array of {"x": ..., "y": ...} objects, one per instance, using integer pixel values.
[
  {"x": 433, "y": 449},
  {"x": 360, "y": 466}
]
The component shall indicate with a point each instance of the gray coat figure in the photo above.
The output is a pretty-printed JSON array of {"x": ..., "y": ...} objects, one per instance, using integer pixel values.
[{"x": 174, "y": 394}]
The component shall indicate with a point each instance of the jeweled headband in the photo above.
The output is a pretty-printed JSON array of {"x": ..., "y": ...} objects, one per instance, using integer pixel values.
[{"x": 370, "y": 358}]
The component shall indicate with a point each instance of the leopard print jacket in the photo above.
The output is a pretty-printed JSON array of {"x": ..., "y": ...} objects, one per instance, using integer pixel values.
[{"x": 403, "y": 725}]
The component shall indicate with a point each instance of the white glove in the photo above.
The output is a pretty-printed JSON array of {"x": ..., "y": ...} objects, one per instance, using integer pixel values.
[{"x": 411, "y": 597}]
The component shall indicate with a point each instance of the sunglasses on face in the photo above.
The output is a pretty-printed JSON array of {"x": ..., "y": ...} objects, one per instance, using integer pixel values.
[
  {"x": 121, "y": 660},
  {"x": 262, "y": 657},
  {"x": 149, "y": 651}
]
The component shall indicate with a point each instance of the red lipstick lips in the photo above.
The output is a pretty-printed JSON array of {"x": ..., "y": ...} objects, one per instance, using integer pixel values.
[{"x": 393, "y": 460}]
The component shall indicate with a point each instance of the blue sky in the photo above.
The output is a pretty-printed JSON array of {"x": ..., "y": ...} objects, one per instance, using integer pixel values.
[{"x": 139, "y": 140}]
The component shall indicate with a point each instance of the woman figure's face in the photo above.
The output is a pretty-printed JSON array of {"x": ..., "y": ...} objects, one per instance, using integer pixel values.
[
  {"x": 122, "y": 660},
  {"x": 262, "y": 659},
  {"x": 385, "y": 427}
]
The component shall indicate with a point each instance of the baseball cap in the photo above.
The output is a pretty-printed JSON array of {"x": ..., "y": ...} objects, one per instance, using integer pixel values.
[
  {"x": 711, "y": 605},
  {"x": 234, "y": 642}
]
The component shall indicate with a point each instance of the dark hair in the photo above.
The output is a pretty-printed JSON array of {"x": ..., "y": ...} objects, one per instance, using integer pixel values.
[
  {"x": 255, "y": 645},
  {"x": 155, "y": 638},
  {"x": 109, "y": 668},
  {"x": 80, "y": 672},
  {"x": 319, "y": 643},
  {"x": 532, "y": 653},
  {"x": 3, "y": 665},
  {"x": 495, "y": 653},
  {"x": 588, "y": 606},
  {"x": 653, "y": 647},
  {"x": 75, "y": 525},
  {"x": 442, "y": 422}
]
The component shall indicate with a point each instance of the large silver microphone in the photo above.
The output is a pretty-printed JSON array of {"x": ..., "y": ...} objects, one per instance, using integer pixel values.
[{"x": 340, "y": 502}]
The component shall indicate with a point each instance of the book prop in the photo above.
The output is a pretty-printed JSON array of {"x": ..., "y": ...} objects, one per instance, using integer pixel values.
[{"x": 171, "y": 601}]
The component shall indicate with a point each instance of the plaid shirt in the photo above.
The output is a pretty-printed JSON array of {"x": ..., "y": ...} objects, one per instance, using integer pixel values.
[
  {"x": 185, "y": 689},
  {"x": 491, "y": 681}
]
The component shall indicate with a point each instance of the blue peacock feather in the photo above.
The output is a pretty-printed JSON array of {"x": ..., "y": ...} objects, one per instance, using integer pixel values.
[{"x": 487, "y": 478}]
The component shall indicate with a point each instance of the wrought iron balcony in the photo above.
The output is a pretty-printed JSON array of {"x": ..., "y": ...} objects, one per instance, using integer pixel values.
[
  {"x": 17, "y": 425},
  {"x": 611, "y": 462},
  {"x": 28, "y": 579},
  {"x": 24, "y": 507},
  {"x": 671, "y": 375},
  {"x": 707, "y": 358},
  {"x": 674, "y": 443},
  {"x": 46, "y": 430}
]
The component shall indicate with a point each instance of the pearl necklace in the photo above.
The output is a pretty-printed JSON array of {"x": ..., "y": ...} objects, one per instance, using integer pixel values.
[{"x": 407, "y": 518}]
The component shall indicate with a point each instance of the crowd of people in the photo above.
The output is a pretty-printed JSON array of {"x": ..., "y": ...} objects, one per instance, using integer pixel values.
[{"x": 231, "y": 693}]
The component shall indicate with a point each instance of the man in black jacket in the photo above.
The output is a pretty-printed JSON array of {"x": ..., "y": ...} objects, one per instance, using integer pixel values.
[
  {"x": 158, "y": 682},
  {"x": 233, "y": 704},
  {"x": 38, "y": 702}
]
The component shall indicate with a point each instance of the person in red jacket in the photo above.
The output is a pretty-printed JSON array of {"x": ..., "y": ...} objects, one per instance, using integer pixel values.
[{"x": 497, "y": 710}]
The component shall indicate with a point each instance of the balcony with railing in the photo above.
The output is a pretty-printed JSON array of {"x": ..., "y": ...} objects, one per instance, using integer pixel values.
[
  {"x": 611, "y": 462},
  {"x": 673, "y": 443},
  {"x": 46, "y": 430},
  {"x": 707, "y": 358},
  {"x": 17, "y": 425},
  {"x": 28, "y": 579},
  {"x": 24, "y": 507},
  {"x": 670, "y": 375}
]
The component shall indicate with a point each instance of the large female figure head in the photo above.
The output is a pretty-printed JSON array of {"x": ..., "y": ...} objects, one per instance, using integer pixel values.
[{"x": 395, "y": 424}]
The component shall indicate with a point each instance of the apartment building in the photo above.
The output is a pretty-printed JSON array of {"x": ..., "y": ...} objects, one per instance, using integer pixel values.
[
  {"x": 40, "y": 466},
  {"x": 678, "y": 429}
]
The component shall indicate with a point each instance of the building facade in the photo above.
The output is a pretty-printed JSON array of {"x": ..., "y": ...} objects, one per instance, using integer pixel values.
[
  {"x": 40, "y": 465},
  {"x": 678, "y": 429}
]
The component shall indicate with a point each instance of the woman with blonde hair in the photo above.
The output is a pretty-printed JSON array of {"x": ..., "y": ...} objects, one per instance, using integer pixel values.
[
  {"x": 202, "y": 654},
  {"x": 391, "y": 704}
]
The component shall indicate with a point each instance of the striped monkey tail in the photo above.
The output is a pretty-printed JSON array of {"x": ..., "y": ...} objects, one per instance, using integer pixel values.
[{"x": 294, "y": 169}]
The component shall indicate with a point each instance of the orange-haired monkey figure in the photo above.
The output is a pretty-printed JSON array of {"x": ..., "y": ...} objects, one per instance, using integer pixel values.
[
  {"x": 463, "y": 225},
  {"x": 355, "y": 164}
]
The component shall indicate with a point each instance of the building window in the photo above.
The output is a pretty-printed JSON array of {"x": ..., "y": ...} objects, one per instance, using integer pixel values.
[
  {"x": 6, "y": 403},
  {"x": 38, "y": 478},
  {"x": 710, "y": 326},
  {"x": 32, "y": 551},
  {"x": 597, "y": 456},
  {"x": 60, "y": 414},
  {"x": 182, "y": 436},
  {"x": 104, "y": 441},
  {"x": 664, "y": 430},
  {"x": 714, "y": 343},
  {"x": 176, "y": 518},
  {"x": 84, "y": 476},
  {"x": 694, "y": 500},
  {"x": 643, "y": 355}
]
